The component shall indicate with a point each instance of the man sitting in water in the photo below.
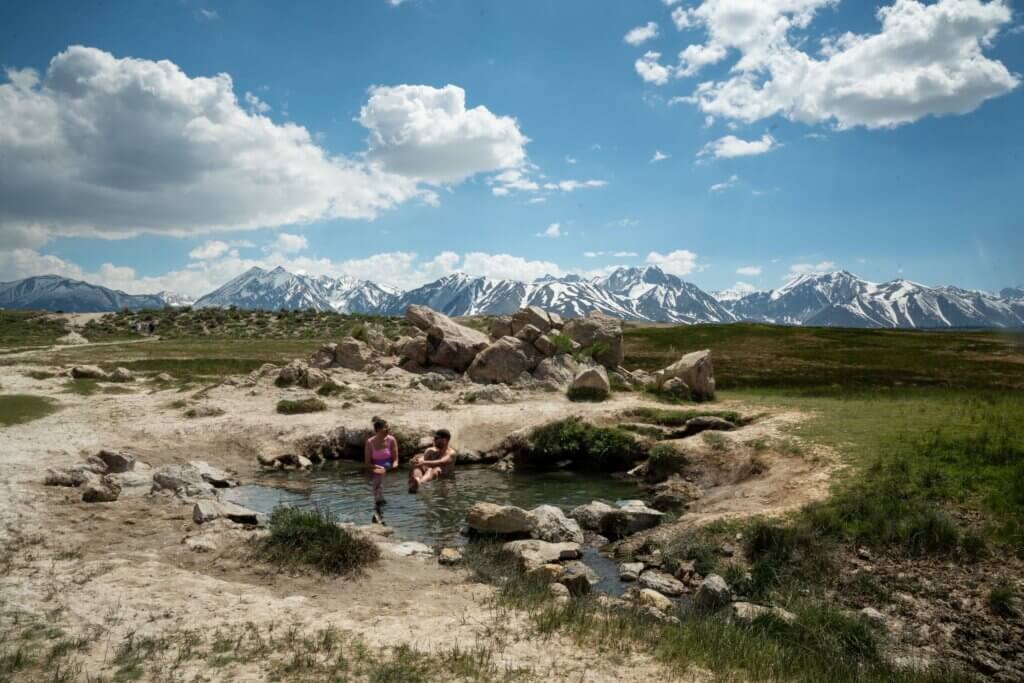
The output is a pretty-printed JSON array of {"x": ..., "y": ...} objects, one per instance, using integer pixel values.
[{"x": 435, "y": 462}]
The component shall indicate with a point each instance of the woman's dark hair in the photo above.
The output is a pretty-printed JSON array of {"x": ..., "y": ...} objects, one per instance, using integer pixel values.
[
  {"x": 379, "y": 424},
  {"x": 443, "y": 434}
]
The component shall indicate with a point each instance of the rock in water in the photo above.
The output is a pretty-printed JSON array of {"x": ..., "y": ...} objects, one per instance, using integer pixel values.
[
  {"x": 533, "y": 554},
  {"x": 666, "y": 584},
  {"x": 713, "y": 593},
  {"x": 552, "y": 525},
  {"x": 598, "y": 328},
  {"x": 630, "y": 571},
  {"x": 578, "y": 578},
  {"x": 117, "y": 461},
  {"x": 695, "y": 370},
  {"x": 101, "y": 490},
  {"x": 488, "y": 518},
  {"x": 633, "y": 516},
  {"x": 590, "y": 515},
  {"x": 449, "y": 344},
  {"x": 504, "y": 361}
]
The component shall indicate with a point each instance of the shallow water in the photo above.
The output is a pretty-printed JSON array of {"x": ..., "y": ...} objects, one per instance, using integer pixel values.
[{"x": 436, "y": 514}]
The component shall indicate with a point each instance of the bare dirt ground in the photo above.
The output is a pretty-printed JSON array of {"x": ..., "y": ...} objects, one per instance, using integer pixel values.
[{"x": 123, "y": 568}]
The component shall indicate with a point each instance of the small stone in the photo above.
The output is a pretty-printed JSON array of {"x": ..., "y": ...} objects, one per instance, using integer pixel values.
[
  {"x": 121, "y": 375},
  {"x": 713, "y": 593},
  {"x": 449, "y": 557},
  {"x": 408, "y": 549},
  {"x": 630, "y": 571},
  {"x": 578, "y": 578},
  {"x": 88, "y": 372},
  {"x": 661, "y": 582},
  {"x": 747, "y": 612},
  {"x": 652, "y": 598},
  {"x": 164, "y": 377},
  {"x": 200, "y": 544},
  {"x": 559, "y": 592},
  {"x": 552, "y": 525},
  {"x": 104, "y": 490},
  {"x": 66, "y": 477},
  {"x": 873, "y": 616},
  {"x": 117, "y": 461},
  {"x": 550, "y": 572}
]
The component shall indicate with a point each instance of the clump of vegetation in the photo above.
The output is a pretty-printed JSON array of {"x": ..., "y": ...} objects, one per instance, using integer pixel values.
[
  {"x": 330, "y": 388},
  {"x": 677, "y": 418},
  {"x": 204, "y": 411},
  {"x": 663, "y": 461},
  {"x": 562, "y": 343},
  {"x": 589, "y": 394},
  {"x": 312, "y": 538},
  {"x": 1002, "y": 598},
  {"x": 716, "y": 442},
  {"x": 647, "y": 431},
  {"x": 29, "y": 328},
  {"x": 303, "y": 405},
  {"x": 21, "y": 408},
  {"x": 585, "y": 445},
  {"x": 40, "y": 374}
]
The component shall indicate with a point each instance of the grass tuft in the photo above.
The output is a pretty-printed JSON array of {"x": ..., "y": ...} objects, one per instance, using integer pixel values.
[
  {"x": 311, "y": 538},
  {"x": 304, "y": 405},
  {"x": 585, "y": 445}
]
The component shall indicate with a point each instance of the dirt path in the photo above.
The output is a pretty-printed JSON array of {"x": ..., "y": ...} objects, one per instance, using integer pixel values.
[{"x": 123, "y": 568}]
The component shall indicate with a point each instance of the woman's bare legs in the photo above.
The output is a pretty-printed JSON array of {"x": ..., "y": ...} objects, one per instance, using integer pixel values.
[{"x": 421, "y": 475}]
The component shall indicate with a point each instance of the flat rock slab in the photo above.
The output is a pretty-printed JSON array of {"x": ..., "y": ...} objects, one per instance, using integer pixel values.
[
  {"x": 533, "y": 553},
  {"x": 208, "y": 510},
  {"x": 406, "y": 549}
]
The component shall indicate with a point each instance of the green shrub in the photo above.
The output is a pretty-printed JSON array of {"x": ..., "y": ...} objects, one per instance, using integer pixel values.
[
  {"x": 1001, "y": 598},
  {"x": 305, "y": 405},
  {"x": 312, "y": 538},
  {"x": 585, "y": 445},
  {"x": 663, "y": 461},
  {"x": 562, "y": 343},
  {"x": 716, "y": 442},
  {"x": 329, "y": 388},
  {"x": 591, "y": 394}
]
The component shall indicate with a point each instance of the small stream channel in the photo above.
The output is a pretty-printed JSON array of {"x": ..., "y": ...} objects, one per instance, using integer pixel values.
[{"x": 437, "y": 513}]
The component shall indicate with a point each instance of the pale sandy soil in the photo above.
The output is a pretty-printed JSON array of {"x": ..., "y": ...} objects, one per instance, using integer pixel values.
[{"x": 123, "y": 566}]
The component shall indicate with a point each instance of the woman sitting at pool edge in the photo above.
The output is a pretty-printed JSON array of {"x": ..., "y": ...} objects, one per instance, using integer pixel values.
[
  {"x": 437, "y": 461},
  {"x": 381, "y": 455}
]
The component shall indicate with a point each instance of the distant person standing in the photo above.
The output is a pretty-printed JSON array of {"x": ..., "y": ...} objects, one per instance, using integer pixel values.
[
  {"x": 380, "y": 455},
  {"x": 436, "y": 461}
]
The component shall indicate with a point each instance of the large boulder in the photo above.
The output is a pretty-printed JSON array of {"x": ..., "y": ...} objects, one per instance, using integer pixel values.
[
  {"x": 503, "y": 361},
  {"x": 552, "y": 525},
  {"x": 695, "y": 370},
  {"x": 449, "y": 344},
  {"x": 533, "y": 554},
  {"x": 591, "y": 383},
  {"x": 353, "y": 354},
  {"x": 324, "y": 356},
  {"x": 531, "y": 315},
  {"x": 598, "y": 328},
  {"x": 488, "y": 518},
  {"x": 591, "y": 515},
  {"x": 528, "y": 333},
  {"x": 558, "y": 371},
  {"x": 291, "y": 374},
  {"x": 121, "y": 375},
  {"x": 500, "y": 326},
  {"x": 578, "y": 577},
  {"x": 375, "y": 338},
  {"x": 101, "y": 490},
  {"x": 313, "y": 378},
  {"x": 411, "y": 350},
  {"x": 630, "y": 517}
]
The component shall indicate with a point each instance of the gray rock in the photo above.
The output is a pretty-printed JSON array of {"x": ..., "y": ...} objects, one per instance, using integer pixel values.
[
  {"x": 874, "y": 616},
  {"x": 313, "y": 378},
  {"x": 489, "y": 518},
  {"x": 628, "y": 519},
  {"x": 117, "y": 461},
  {"x": 504, "y": 361},
  {"x": 695, "y": 370},
  {"x": 652, "y": 598},
  {"x": 578, "y": 577},
  {"x": 533, "y": 554},
  {"x": 407, "y": 549},
  {"x": 598, "y": 328},
  {"x": 630, "y": 571},
  {"x": 324, "y": 356},
  {"x": 121, "y": 375},
  {"x": 746, "y": 612},
  {"x": 411, "y": 349},
  {"x": 662, "y": 582},
  {"x": 559, "y": 370},
  {"x": 101, "y": 490},
  {"x": 449, "y": 344},
  {"x": 501, "y": 326},
  {"x": 88, "y": 372},
  {"x": 591, "y": 515},
  {"x": 675, "y": 494},
  {"x": 528, "y": 334},
  {"x": 449, "y": 556},
  {"x": 67, "y": 476},
  {"x": 531, "y": 316},
  {"x": 713, "y": 593},
  {"x": 552, "y": 525},
  {"x": 219, "y": 478},
  {"x": 164, "y": 377},
  {"x": 353, "y": 354},
  {"x": 545, "y": 345},
  {"x": 492, "y": 393},
  {"x": 592, "y": 380},
  {"x": 182, "y": 479},
  {"x": 433, "y": 381},
  {"x": 559, "y": 592}
]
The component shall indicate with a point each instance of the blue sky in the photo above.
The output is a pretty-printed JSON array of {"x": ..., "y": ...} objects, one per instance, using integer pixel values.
[{"x": 824, "y": 136}]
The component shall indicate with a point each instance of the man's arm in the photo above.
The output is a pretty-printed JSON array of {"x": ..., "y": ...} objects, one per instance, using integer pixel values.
[{"x": 448, "y": 459}]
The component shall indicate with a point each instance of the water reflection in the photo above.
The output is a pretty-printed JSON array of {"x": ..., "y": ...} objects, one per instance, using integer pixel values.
[{"x": 434, "y": 515}]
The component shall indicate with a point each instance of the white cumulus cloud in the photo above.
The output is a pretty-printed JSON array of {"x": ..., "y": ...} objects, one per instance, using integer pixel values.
[
  {"x": 678, "y": 262},
  {"x": 731, "y": 146},
  {"x": 750, "y": 271},
  {"x": 810, "y": 268},
  {"x": 723, "y": 186},
  {"x": 641, "y": 34},
  {"x": 287, "y": 243},
  {"x": 925, "y": 59},
  {"x": 209, "y": 249},
  {"x": 651, "y": 70},
  {"x": 428, "y": 133},
  {"x": 112, "y": 147},
  {"x": 553, "y": 231}
]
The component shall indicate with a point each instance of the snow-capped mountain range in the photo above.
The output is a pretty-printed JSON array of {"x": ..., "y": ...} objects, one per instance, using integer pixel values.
[{"x": 636, "y": 294}]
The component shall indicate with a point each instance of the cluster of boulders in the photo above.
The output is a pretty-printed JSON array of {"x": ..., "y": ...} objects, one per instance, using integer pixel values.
[{"x": 111, "y": 474}]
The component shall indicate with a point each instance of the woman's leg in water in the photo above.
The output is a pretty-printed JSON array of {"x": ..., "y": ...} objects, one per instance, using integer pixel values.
[{"x": 378, "y": 488}]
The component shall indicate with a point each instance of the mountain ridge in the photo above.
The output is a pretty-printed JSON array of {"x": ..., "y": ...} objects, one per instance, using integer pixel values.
[{"x": 642, "y": 294}]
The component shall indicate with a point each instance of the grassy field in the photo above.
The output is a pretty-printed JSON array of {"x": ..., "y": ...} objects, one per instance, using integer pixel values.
[
  {"x": 28, "y": 328},
  {"x": 19, "y": 408}
]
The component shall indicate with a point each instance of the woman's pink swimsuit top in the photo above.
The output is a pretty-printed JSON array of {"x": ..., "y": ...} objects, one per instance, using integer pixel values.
[{"x": 381, "y": 456}]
